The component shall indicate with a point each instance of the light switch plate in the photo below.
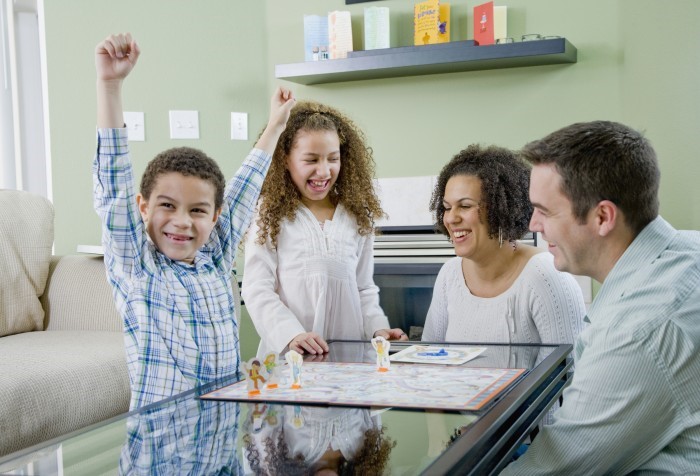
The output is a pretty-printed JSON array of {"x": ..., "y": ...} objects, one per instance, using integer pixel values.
[
  {"x": 135, "y": 124},
  {"x": 184, "y": 124},
  {"x": 239, "y": 126}
]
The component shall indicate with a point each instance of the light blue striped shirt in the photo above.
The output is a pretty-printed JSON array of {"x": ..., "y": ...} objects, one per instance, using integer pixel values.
[
  {"x": 634, "y": 403},
  {"x": 180, "y": 326}
]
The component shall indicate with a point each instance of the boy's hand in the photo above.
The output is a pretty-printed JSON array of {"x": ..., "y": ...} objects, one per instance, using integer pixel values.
[
  {"x": 391, "y": 334},
  {"x": 308, "y": 343},
  {"x": 281, "y": 103},
  {"x": 115, "y": 57}
]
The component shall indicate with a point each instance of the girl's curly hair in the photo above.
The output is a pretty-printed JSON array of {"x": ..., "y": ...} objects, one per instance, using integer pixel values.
[
  {"x": 505, "y": 179},
  {"x": 371, "y": 459},
  {"x": 280, "y": 198}
]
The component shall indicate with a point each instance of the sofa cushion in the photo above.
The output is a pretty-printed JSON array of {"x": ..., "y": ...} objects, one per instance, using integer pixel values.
[
  {"x": 78, "y": 296},
  {"x": 26, "y": 238},
  {"x": 54, "y": 382}
]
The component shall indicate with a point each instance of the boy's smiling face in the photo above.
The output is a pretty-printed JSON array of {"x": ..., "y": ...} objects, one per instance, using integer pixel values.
[{"x": 179, "y": 215}]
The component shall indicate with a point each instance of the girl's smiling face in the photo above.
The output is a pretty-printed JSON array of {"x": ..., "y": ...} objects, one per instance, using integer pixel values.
[{"x": 314, "y": 164}]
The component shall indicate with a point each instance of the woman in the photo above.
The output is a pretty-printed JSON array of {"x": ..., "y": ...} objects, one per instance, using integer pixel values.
[{"x": 495, "y": 289}]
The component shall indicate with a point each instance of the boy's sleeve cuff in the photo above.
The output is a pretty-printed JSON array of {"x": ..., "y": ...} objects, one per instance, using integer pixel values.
[{"x": 112, "y": 141}]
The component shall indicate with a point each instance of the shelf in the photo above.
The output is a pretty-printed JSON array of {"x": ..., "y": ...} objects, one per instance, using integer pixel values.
[{"x": 429, "y": 59}]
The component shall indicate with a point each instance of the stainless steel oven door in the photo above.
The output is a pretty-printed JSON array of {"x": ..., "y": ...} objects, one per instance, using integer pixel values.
[{"x": 405, "y": 292}]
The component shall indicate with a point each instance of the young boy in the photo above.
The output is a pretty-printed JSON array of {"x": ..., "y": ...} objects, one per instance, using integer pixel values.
[{"x": 170, "y": 249}]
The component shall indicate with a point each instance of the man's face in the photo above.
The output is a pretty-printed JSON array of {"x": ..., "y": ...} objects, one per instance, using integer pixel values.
[{"x": 571, "y": 242}]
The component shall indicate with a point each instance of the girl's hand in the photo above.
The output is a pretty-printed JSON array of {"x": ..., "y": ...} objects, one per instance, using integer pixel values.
[
  {"x": 391, "y": 334},
  {"x": 308, "y": 342}
]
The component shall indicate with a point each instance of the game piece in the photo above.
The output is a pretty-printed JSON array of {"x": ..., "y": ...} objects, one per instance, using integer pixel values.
[
  {"x": 254, "y": 378},
  {"x": 257, "y": 417},
  {"x": 297, "y": 418},
  {"x": 295, "y": 360},
  {"x": 381, "y": 345},
  {"x": 272, "y": 365},
  {"x": 439, "y": 353}
]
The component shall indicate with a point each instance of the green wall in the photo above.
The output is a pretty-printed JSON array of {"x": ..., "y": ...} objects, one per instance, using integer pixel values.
[{"x": 214, "y": 57}]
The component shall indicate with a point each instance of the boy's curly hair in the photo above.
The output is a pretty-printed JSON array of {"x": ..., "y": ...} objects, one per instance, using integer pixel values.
[
  {"x": 186, "y": 161},
  {"x": 505, "y": 180},
  {"x": 280, "y": 198}
]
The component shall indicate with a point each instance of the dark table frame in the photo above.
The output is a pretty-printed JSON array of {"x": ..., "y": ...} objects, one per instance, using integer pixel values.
[{"x": 487, "y": 446}]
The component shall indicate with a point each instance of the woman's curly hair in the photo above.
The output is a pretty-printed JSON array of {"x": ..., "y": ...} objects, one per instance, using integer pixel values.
[
  {"x": 280, "y": 198},
  {"x": 505, "y": 179}
]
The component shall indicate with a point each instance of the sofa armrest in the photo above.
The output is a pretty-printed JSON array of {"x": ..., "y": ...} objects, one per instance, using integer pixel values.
[{"x": 78, "y": 296}]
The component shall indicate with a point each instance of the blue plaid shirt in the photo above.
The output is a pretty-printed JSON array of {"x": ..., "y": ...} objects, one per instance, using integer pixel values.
[
  {"x": 190, "y": 437},
  {"x": 180, "y": 326}
]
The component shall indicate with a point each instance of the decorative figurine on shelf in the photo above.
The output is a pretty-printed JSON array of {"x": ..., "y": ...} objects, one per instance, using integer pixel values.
[
  {"x": 381, "y": 345},
  {"x": 253, "y": 376},
  {"x": 272, "y": 365},
  {"x": 295, "y": 360}
]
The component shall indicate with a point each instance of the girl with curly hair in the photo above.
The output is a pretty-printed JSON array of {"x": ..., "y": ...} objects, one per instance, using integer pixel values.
[
  {"x": 308, "y": 260},
  {"x": 496, "y": 290},
  {"x": 338, "y": 441}
]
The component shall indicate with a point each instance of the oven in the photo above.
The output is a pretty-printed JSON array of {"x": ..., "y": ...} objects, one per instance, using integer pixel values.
[{"x": 407, "y": 260}]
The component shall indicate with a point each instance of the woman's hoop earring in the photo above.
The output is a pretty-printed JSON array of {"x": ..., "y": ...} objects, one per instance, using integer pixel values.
[{"x": 500, "y": 237}]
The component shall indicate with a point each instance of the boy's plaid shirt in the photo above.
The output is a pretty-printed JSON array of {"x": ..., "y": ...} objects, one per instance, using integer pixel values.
[{"x": 179, "y": 324}]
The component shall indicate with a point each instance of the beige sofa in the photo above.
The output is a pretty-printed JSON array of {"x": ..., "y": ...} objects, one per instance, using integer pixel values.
[{"x": 62, "y": 361}]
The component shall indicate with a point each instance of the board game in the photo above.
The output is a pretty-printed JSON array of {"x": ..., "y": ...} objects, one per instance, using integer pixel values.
[
  {"x": 435, "y": 354},
  {"x": 404, "y": 385}
]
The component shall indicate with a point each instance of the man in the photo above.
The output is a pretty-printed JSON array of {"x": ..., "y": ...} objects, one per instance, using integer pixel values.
[{"x": 634, "y": 401}]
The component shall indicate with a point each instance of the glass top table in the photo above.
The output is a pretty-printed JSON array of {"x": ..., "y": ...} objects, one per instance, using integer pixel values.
[{"x": 189, "y": 435}]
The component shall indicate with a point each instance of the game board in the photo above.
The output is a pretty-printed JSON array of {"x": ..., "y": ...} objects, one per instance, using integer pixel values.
[{"x": 405, "y": 385}]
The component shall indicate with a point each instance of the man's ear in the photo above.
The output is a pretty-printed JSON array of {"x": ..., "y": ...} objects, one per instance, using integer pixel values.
[
  {"x": 142, "y": 203},
  {"x": 606, "y": 217},
  {"x": 217, "y": 213}
]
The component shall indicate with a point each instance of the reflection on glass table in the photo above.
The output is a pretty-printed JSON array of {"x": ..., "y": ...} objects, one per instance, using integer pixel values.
[{"x": 189, "y": 435}]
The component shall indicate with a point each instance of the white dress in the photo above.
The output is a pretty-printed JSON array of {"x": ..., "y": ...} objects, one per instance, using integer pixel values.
[
  {"x": 318, "y": 280},
  {"x": 542, "y": 305}
]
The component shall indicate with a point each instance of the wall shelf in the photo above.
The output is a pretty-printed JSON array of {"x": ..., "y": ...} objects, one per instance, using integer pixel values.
[{"x": 430, "y": 59}]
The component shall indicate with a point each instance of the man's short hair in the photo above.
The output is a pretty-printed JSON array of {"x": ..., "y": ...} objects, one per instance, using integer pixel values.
[
  {"x": 186, "y": 161},
  {"x": 603, "y": 160}
]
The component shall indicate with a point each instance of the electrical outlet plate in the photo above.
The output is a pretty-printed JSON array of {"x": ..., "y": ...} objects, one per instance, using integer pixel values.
[
  {"x": 135, "y": 124},
  {"x": 239, "y": 126},
  {"x": 184, "y": 125}
]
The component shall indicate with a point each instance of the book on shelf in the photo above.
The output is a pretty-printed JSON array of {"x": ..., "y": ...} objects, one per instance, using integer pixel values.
[
  {"x": 315, "y": 36},
  {"x": 431, "y": 22},
  {"x": 490, "y": 23},
  {"x": 339, "y": 34},
  {"x": 377, "y": 28}
]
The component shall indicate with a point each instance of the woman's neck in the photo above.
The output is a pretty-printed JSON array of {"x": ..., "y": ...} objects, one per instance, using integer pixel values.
[{"x": 496, "y": 273}]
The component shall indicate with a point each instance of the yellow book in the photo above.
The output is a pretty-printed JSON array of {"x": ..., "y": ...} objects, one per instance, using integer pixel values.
[
  {"x": 444, "y": 23},
  {"x": 426, "y": 17}
]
